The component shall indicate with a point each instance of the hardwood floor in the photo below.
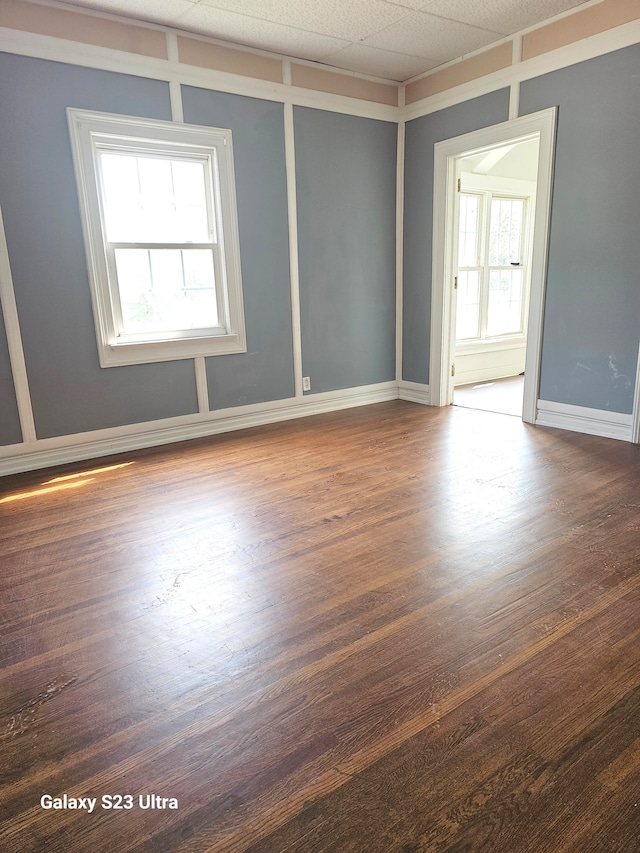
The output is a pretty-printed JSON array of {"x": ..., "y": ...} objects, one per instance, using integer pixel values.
[{"x": 387, "y": 630}]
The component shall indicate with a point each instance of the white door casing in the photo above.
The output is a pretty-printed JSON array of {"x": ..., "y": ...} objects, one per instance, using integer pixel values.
[{"x": 446, "y": 157}]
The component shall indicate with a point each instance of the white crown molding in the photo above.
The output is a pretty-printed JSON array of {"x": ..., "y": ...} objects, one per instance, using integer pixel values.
[
  {"x": 173, "y": 31},
  {"x": 48, "y": 452},
  {"x": 467, "y": 91},
  {"x": 107, "y": 59},
  {"x": 585, "y": 420},
  {"x": 571, "y": 54},
  {"x": 517, "y": 36}
]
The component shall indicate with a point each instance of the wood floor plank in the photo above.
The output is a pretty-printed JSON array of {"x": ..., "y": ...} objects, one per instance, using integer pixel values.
[{"x": 393, "y": 628}]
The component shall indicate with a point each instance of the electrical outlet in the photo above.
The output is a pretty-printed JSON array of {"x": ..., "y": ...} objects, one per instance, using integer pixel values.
[{"x": 306, "y": 383}]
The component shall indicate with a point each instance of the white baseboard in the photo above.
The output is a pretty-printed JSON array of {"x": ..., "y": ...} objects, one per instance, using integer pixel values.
[
  {"x": 414, "y": 392},
  {"x": 45, "y": 453},
  {"x": 581, "y": 419}
]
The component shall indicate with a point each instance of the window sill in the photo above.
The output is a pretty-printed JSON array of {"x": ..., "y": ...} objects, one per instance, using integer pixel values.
[{"x": 117, "y": 354}]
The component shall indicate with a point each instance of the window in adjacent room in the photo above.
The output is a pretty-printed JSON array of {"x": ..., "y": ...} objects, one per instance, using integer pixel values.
[
  {"x": 492, "y": 267},
  {"x": 160, "y": 226}
]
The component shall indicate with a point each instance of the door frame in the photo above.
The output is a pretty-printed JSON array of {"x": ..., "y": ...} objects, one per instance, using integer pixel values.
[{"x": 446, "y": 155}]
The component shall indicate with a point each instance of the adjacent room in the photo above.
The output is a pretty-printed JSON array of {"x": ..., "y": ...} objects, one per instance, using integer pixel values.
[{"x": 319, "y": 426}]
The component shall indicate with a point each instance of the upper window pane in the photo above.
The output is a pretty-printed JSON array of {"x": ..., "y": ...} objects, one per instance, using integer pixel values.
[
  {"x": 151, "y": 199},
  {"x": 469, "y": 230},
  {"x": 505, "y": 232}
]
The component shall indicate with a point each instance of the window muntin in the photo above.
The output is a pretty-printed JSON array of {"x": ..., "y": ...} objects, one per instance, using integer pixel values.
[
  {"x": 505, "y": 231},
  {"x": 160, "y": 225}
]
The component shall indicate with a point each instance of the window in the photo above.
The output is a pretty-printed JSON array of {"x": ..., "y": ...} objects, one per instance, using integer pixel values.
[
  {"x": 160, "y": 226},
  {"x": 492, "y": 268}
]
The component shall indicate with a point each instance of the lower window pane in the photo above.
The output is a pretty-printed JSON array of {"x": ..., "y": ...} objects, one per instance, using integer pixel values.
[
  {"x": 166, "y": 290},
  {"x": 505, "y": 302},
  {"x": 468, "y": 305}
]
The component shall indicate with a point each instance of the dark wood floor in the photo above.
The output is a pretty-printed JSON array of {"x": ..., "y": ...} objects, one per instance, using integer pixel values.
[{"x": 388, "y": 630}]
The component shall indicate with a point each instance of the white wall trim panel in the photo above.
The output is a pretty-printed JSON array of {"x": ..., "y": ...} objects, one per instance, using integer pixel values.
[
  {"x": 294, "y": 268},
  {"x": 582, "y": 419},
  {"x": 635, "y": 431},
  {"x": 14, "y": 341},
  {"x": 414, "y": 392},
  {"x": 74, "y": 448},
  {"x": 399, "y": 242},
  {"x": 175, "y": 91},
  {"x": 202, "y": 388},
  {"x": 514, "y": 91}
]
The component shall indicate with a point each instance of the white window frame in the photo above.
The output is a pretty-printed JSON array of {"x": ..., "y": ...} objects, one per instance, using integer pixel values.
[
  {"x": 91, "y": 132},
  {"x": 487, "y": 187}
]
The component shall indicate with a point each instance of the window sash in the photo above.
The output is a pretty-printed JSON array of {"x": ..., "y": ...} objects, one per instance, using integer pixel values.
[
  {"x": 95, "y": 133},
  {"x": 484, "y": 271},
  {"x": 220, "y": 328}
]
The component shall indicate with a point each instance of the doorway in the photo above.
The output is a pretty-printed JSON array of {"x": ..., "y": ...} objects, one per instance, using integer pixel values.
[
  {"x": 492, "y": 248},
  {"x": 475, "y": 153}
]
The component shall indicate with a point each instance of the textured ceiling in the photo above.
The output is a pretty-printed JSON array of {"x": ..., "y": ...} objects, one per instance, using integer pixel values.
[{"x": 394, "y": 39}]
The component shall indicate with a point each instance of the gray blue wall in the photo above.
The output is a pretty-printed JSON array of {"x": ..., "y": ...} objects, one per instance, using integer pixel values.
[
  {"x": 265, "y": 371},
  {"x": 592, "y": 311},
  {"x": 345, "y": 170},
  {"x": 346, "y": 176},
  {"x": 349, "y": 304},
  {"x": 421, "y": 135},
  {"x": 592, "y": 314},
  {"x": 69, "y": 391}
]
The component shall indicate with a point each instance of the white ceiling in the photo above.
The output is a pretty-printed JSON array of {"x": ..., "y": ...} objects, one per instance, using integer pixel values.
[{"x": 393, "y": 39}]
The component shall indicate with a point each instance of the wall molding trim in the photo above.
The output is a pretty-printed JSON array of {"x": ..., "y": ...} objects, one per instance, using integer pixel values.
[
  {"x": 109, "y": 59},
  {"x": 600, "y": 44},
  {"x": 47, "y": 452},
  {"x": 414, "y": 392},
  {"x": 70, "y": 52},
  {"x": 14, "y": 341},
  {"x": 292, "y": 221},
  {"x": 582, "y": 419},
  {"x": 635, "y": 418}
]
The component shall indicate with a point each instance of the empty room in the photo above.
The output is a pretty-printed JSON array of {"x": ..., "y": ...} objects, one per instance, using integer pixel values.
[{"x": 319, "y": 426}]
